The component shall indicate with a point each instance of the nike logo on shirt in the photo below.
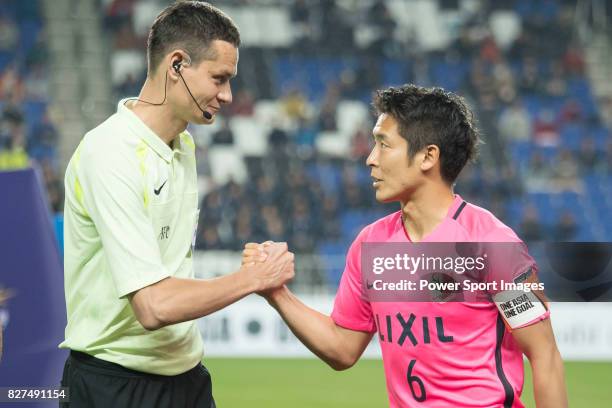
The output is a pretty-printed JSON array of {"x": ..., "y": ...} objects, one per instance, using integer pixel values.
[{"x": 158, "y": 190}]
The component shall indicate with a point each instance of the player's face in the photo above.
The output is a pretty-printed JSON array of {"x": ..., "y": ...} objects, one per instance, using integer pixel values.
[
  {"x": 209, "y": 82},
  {"x": 394, "y": 175}
]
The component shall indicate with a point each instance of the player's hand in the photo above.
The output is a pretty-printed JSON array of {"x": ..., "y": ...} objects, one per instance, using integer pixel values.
[
  {"x": 254, "y": 252},
  {"x": 277, "y": 269}
]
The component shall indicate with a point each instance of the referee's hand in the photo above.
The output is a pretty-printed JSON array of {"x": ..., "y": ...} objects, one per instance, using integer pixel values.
[
  {"x": 271, "y": 264},
  {"x": 254, "y": 252}
]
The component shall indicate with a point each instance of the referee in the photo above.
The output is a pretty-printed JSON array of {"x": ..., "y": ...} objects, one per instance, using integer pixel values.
[{"x": 130, "y": 221}]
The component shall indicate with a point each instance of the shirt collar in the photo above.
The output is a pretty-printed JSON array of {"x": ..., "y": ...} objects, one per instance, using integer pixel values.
[
  {"x": 455, "y": 206},
  {"x": 147, "y": 135}
]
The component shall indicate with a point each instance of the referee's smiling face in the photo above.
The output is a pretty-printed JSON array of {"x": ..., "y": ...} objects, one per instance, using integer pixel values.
[
  {"x": 208, "y": 81},
  {"x": 394, "y": 175}
]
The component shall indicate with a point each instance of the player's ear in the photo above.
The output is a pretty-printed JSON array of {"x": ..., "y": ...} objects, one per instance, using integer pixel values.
[{"x": 431, "y": 156}]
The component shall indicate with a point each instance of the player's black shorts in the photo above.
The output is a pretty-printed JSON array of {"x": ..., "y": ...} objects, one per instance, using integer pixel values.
[{"x": 95, "y": 383}]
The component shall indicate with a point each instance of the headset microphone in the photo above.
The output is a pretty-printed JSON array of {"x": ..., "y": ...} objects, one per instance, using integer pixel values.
[{"x": 177, "y": 68}]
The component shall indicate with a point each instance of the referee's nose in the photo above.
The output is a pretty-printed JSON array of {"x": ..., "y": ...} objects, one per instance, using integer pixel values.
[{"x": 225, "y": 94}]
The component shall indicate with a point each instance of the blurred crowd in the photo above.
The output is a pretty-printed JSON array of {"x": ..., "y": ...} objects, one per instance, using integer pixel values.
[{"x": 28, "y": 134}]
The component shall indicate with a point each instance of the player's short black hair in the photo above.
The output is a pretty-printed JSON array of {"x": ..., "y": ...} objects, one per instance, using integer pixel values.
[
  {"x": 191, "y": 26},
  {"x": 433, "y": 116}
]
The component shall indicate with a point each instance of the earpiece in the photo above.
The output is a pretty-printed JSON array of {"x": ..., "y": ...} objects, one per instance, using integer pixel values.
[{"x": 176, "y": 65}]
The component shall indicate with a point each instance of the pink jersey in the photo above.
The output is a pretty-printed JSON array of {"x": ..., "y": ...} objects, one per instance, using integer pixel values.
[{"x": 438, "y": 354}]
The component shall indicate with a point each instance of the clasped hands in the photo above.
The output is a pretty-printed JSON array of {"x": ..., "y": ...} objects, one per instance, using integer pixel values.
[{"x": 271, "y": 264}]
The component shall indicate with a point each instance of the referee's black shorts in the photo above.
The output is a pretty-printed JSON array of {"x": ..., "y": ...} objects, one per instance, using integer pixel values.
[{"x": 95, "y": 383}]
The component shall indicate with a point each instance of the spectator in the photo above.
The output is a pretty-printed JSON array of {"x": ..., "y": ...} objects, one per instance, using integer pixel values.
[
  {"x": 209, "y": 238},
  {"x": 565, "y": 175},
  {"x": 538, "y": 173},
  {"x": 11, "y": 85},
  {"x": 529, "y": 82},
  {"x": 571, "y": 112},
  {"x": 54, "y": 186},
  {"x": 382, "y": 20},
  {"x": 43, "y": 140},
  {"x": 556, "y": 85},
  {"x": 515, "y": 123},
  {"x": 38, "y": 55},
  {"x": 301, "y": 224},
  {"x": 278, "y": 140},
  {"x": 36, "y": 84},
  {"x": 300, "y": 12},
  {"x": 14, "y": 156},
  {"x": 504, "y": 81},
  {"x": 608, "y": 158},
  {"x": 589, "y": 158},
  {"x": 565, "y": 229},
  {"x": 546, "y": 129},
  {"x": 9, "y": 34},
  {"x": 329, "y": 107},
  {"x": 243, "y": 104},
  {"x": 119, "y": 12},
  {"x": 223, "y": 136},
  {"x": 573, "y": 60},
  {"x": 294, "y": 105},
  {"x": 361, "y": 144},
  {"x": 129, "y": 86},
  {"x": 328, "y": 225},
  {"x": 125, "y": 38},
  {"x": 530, "y": 227}
]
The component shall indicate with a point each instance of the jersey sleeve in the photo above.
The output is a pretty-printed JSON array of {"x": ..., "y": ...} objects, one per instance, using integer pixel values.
[
  {"x": 512, "y": 268},
  {"x": 352, "y": 310},
  {"x": 112, "y": 189}
]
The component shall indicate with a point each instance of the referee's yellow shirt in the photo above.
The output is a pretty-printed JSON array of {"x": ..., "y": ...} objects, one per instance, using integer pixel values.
[{"x": 130, "y": 217}]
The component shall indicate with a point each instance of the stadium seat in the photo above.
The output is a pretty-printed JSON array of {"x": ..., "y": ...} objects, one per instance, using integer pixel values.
[
  {"x": 351, "y": 115},
  {"x": 226, "y": 164},
  {"x": 333, "y": 144},
  {"x": 125, "y": 63},
  {"x": 332, "y": 256},
  {"x": 275, "y": 27},
  {"x": 395, "y": 72},
  {"x": 144, "y": 13},
  {"x": 250, "y": 136},
  {"x": 269, "y": 112},
  {"x": 505, "y": 26}
]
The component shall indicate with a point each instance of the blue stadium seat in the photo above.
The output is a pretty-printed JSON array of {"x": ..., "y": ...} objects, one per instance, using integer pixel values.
[
  {"x": 5, "y": 59},
  {"x": 328, "y": 176},
  {"x": 395, "y": 72},
  {"x": 314, "y": 73},
  {"x": 332, "y": 256},
  {"x": 352, "y": 221},
  {"x": 29, "y": 30},
  {"x": 521, "y": 153},
  {"x": 572, "y": 134}
]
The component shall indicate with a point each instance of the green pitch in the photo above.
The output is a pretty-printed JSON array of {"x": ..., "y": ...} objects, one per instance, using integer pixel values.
[{"x": 308, "y": 383}]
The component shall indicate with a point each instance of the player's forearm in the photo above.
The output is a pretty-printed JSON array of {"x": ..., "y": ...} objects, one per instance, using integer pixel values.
[
  {"x": 176, "y": 300},
  {"x": 549, "y": 380},
  {"x": 315, "y": 330}
]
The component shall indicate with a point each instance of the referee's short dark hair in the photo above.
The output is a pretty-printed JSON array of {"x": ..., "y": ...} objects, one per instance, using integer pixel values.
[
  {"x": 190, "y": 26},
  {"x": 433, "y": 116}
]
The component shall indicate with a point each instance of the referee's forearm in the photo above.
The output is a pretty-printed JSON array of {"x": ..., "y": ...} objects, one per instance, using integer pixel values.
[{"x": 176, "y": 300}]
